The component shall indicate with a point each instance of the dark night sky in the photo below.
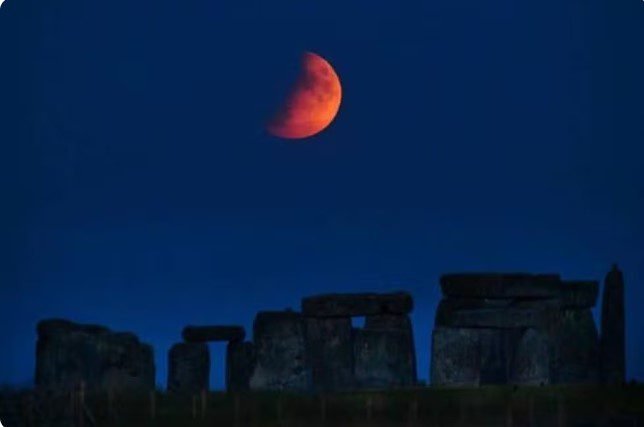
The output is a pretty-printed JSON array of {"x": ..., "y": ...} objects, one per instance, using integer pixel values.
[{"x": 140, "y": 191}]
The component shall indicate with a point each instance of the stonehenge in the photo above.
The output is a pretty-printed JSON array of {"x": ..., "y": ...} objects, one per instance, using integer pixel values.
[
  {"x": 189, "y": 361},
  {"x": 489, "y": 328},
  {"x": 379, "y": 355},
  {"x": 69, "y": 353},
  {"x": 494, "y": 328},
  {"x": 612, "y": 344}
]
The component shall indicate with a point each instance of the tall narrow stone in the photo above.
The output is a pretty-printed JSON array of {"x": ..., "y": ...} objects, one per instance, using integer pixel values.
[
  {"x": 330, "y": 353},
  {"x": 612, "y": 343},
  {"x": 280, "y": 348},
  {"x": 575, "y": 353},
  {"x": 456, "y": 357},
  {"x": 240, "y": 363},
  {"x": 531, "y": 359},
  {"x": 382, "y": 359},
  {"x": 188, "y": 368}
]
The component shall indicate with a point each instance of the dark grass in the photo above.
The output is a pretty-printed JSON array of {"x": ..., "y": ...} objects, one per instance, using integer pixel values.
[{"x": 485, "y": 406}]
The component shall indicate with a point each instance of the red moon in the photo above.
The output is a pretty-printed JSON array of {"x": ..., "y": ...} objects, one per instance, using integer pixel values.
[{"x": 313, "y": 102}]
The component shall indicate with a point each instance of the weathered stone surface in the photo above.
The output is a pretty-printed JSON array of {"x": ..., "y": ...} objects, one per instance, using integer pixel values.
[
  {"x": 280, "y": 347},
  {"x": 456, "y": 357},
  {"x": 330, "y": 353},
  {"x": 530, "y": 329},
  {"x": 497, "y": 285},
  {"x": 388, "y": 321},
  {"x": 575, "y": 350},
  {"x": 383, "y": 359},
  {"x": 478, "y": 356},
  {"x": 531, "y": 359},
  {"x": 510, "y": 318},
  {"x": 197, "y": 334},
  {"x": 188, "y": 368},
  {"x": 613, "y": 359},
  {"x": 68, "y": 353},
  {"x": 495, "y": 354},
  {"x": 347, "y": 305},
  {"x": 579, "y": 294},
  {"x": 240, "y": 363},
  {"x": 399, "y": 322}
]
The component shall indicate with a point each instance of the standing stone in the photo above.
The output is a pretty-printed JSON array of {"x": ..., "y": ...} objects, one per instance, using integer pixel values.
[
  {"x": 456, "y": 357},
  {"x": 240, "y": 363},
  {"x": 382, "y": 359},
  {"x": 579, "y": 294},
  {"x": 575, "y": 350},
  {"x": 501, "y": 285},
  {"x": 402, "y": 323},
  {"x": 494, "y": 355},
  {"x": 68, "y": 353},
  {"x": 188, "y": 368},
  {"x": 330, "y": 353},
  {"x": 531, "y": 360},
  {"x": 388, "y": 321},
  {"x": 613, "y": 359},
  {"x": 280, "y": 346}
]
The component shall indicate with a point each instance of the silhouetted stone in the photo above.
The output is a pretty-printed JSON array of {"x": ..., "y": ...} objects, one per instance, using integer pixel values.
[
  {"x": 495, "y": 354},
  {"x": 68, "y": 353},
  {"x": 383, "y": 359},
  {"x": 529, "y": 329},
  {"x": 497, "y": 285},
  {"x": 531, "y": 359},
  {"x": 240, "y": 363},
  {"x": 575, "y": 351},
  {"x": 198, "y": 334},
  {"x": 348, "y": 305},
  {"x": 330, "y": 353},
  {"x": 398, "y": 322},
  {"x": 280, "y": 349},
  {"x": 613, "y": 359},
  {"x": 188, "y": 368},
  {"x": 388, "y": 321},
  {"x": 456, "y": 357},
  {"x": 579, "y": 294},
  {"x": 502, "y": 318}
]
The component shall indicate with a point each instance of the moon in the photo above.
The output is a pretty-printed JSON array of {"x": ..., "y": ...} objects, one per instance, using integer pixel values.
[{"x": 313, "y": 102}]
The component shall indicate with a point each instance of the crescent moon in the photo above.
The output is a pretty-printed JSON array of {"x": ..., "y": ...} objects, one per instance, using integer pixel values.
[{"x": 313, "y": 103}]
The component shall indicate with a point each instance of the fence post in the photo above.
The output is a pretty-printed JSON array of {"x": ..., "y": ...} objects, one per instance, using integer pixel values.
[
  {"x": 110, "y": 403},
  {"x": 561, "y": 411},
  {"x": 153, "y": 404},
  {"x": 413, "y": 412},
  {"x": 204, "y": 401},
  {"x": 194, "y": 406},
  {"x": 280, "y": 411},
  {"x": 237, "y": 409},
  {"x": 508, "y": 413},
  {"x": 81, "y": 404},
  {"x": 461, "y": 412},
  {"x": 323, "y": 407},
  {"x": 369, "y": 408},
  {"x": 72, "y": 404}
]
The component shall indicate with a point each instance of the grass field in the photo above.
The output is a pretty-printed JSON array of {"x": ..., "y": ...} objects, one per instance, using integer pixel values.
[{"x": 486, "y": 406}]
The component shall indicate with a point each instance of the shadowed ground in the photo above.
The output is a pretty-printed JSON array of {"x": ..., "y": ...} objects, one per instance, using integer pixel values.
[{"x": 486, "y": 406}]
